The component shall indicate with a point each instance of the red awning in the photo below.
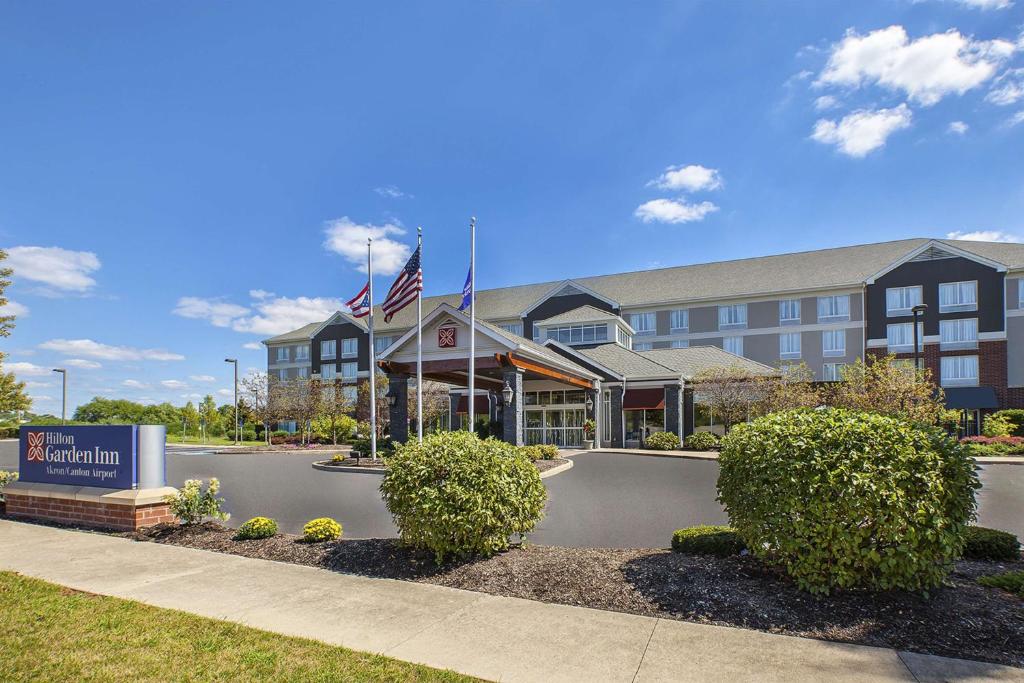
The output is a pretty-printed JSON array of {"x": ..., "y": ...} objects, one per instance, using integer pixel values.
[
  {"x": 480, "y": 406},
  {"x": 643, "y": 399}
]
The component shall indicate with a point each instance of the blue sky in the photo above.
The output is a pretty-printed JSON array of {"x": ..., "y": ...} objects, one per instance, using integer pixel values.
[{"x": 181, "y": 180}]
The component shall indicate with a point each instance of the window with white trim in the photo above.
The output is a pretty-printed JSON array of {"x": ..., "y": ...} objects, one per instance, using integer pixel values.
[
  {"x": 328, "y": 371},
  {"x": 958, "y": 296},
  {"x": 621, "y": 337},
  {"x": 789, "y": 312},
  {"x": 514, "y": 328},
  {"x": 302, "y": 352},
  {"x": 679, "y": 320},
  {"x": 643, "y": 346},
  {"x": 349, "y": 348},
  {"x": 958, "y": 334},
  {"x": 959, "y": 371},
  {"x": 303, "y": 373},
  {"x": 328, "y": 348},
  {"x": 732, "y": 316},
  {"x": 350, "y": 394},
  {"x": 833, "y": 343},
  {"x": 900, "y": 337},
  {"x": 831, "y": 308},
  {"x": 282, "y": 354},
  {"x": 282, "y": 375},
  {"x": 579, "y": 334},
  {"x": 901, "y": 300},
  {"x": 382, "y": 342},
  {"x": 789, "y": 345},
  {"x": 643, "y": 323},
  {"x": 832, "y": 372},
  {"x": 680, "y": 343},
  {"x": 733, "y": 345},
  {"x": 349, "y": 370}
]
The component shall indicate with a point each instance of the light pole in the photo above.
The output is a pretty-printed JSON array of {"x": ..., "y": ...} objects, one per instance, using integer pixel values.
[
  {"x": 917, "y": 310},
  {"x": 235, "y": 362},
  {"x": 63, "y": 394}
]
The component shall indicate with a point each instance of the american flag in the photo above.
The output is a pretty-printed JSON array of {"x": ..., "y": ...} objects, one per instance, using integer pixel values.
[
  {"x": 360, "y": 304},
  {"x": 406, "y": 288}
]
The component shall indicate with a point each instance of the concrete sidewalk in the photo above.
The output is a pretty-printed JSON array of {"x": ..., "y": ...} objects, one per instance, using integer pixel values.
[{"x": 491, "y": 637}]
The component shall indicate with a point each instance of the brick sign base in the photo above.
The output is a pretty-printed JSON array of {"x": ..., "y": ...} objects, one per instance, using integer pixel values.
[{"x": 122, "y": 510}]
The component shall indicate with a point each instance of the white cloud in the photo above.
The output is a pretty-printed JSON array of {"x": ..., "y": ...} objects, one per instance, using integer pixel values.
[
  {"x": 349, "y": 239},
  {"x": 202, "y": 378},
  {"x": 192, "y": 396},
  {"x": 94, "y": 349},
  {"x": 984, "y": 236},
  {"x": 13, "y": 308},
  {"x": 82, "y": 363},
  {"x": 219, "y": 313},
  {"x": 23, "y": 369},
  {"x": 173, "y": 384},
  {"x": 986, "y": 4},
  {"x": 281, "y": 314},
  {"x": 253, "y": 346},
  {"x": 260, "y": 294},
  {"x": 957, "y": 127},
  {"x": 691, "y": 178},
  {"x": 1007, "y": 89},
  {"x": 1016, "y": 119},
  {"x": 826, "y": 102},
  {"x": 226, "y": 392},
  {"x": 391, "y": 192},
  {"x": 37, "y": 385},
  {"x": 926, "y": 69},
  {"x": 863, "y": 131},
  {"x": 134, "y": 384},
  {"x": 61, "y": 270},
  {"x": 673, "y": 211}
]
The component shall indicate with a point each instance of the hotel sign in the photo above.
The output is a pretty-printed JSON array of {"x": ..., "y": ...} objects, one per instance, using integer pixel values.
[{"x": 102, "y": 455}]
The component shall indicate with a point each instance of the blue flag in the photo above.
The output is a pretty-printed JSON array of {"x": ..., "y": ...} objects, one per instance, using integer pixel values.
[{"x": 467, "y": 291}]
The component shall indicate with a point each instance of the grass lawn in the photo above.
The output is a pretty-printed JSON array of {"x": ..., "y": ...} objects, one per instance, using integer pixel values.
[
  {"x": 211, "y": 441},
  {"x": 52, "y": 633}
]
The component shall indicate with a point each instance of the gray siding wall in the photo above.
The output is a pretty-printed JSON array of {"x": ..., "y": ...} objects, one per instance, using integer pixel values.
[
  {"x": 1013, "y": 293},
  {"x": 704, "y": 319},
  {"x": 1015, "y": 351},
  {"x": 763, "y": 348},
  {"x": 763, "y": 314},
  {"x": 811, "y": 351},
  {"x": 664, "y": 322},
  {"x": 809, "y": 310}
]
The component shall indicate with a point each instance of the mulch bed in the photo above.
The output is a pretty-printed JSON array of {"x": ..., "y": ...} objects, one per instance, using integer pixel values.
[{"x": 961, "y": 619}]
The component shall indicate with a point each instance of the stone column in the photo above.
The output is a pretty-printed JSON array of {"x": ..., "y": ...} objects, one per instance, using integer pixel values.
[
  {"x": 673, "y": 410},
  {"x": 616, "y": 415},
  {"x": 454, "y": 419},
  {"x": 512, "y": 416},
  {"x": 398, "y": 386}
]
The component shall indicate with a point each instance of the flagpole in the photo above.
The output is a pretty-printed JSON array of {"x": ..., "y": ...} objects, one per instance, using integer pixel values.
[
  {"x": 419, "y": 345},
  {"x": 472, "y": 324},
  {"x": 373, "y": 354}
]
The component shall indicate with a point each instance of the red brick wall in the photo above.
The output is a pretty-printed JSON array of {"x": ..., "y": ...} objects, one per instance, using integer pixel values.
[{"x": 87, "y": 513}]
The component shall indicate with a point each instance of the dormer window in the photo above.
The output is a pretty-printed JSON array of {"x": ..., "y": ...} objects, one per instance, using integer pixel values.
[{"x": 579, "y": 334}]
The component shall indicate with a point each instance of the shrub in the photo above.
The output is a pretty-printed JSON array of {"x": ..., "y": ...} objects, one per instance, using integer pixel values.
[
  {"x": 842, "y": 499},
  {"x": 456, "y": 494},
  {"x": 997, "y": 425},
  {"x": 990, "y": 544},
  {"x": 1012, "y": 582},
  {"x": 540, "y": 451},
  {"x": 720, "y": 541},
  {"x": 1015, "y": 416},
  {"x": 995, "y": 445},
  {"x": 338, "y": 458},
  {"x": 701, "y": 441},
  {"x": 248, "y": 434},
  {"x": 321, "y": 529},
  {"x": 280, "y": 433},
  {"x": 192, "y": 504},
  {"x": 6, "y": 477},
  {"x": 662, "y": 441},
  {"x": 257, "y": 527}
]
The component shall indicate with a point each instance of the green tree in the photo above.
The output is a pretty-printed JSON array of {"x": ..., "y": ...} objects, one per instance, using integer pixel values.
[
  {"x": 889, "y": 387},
  {"x": 6, "y": 321},
  {"x": 190, "y": 417},
  {"x": 208, "y": 413},
  {"x": 12, "y": 392}
]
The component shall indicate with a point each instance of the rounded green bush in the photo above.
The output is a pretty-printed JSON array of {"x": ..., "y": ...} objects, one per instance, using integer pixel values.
[
  {"x": 456, "y": 494},
  {"x": 662, "y": 441},
  {"x": 720, "y": 541},
  {"x": 321, "y": 529},
  {"x": 841, "y": 498},
  {"x": 983, "y": 543},
  {"x": 701, "y": 441},
  {"x": 257, "y": 527}
]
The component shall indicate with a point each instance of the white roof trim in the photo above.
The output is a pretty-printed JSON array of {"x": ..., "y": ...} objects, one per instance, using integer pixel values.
[
  {"x": 447, "y": 309},
  {"x": 584, "y": 359},
  {"x": 561, "y": 285},
  {"x": 338, "y": 314},
  {"x": 939, "y": 244}
]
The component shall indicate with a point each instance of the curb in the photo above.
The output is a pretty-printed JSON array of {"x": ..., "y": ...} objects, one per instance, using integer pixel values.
[
  {"x": 347, "y": 468},
  {"x": 689, "y": 455},
  {"x": 999, "y": 460},
  {"x": 567, "y": 465}
]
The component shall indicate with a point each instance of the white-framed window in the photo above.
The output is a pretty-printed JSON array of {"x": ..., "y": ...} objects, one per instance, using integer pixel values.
[
  {"x": 303, "y": 373},
  {"x": 579, "y": 334},
  {"x": 514, "y": 328},
  {"x": 282, "y": 375},
  {"x": 680, "y": 343},
  {"x": 328, "y": 371},
  {"x": 833, "y": 343},
  {"x": 621, "y": 337},
  {"x": 302, "y": 352},
  {"x": 349, "y": 348},
  {"x": 900, "y": 337},
  {"x": 789, "y": 312},
  {"x": 958, "y": 334},
  {"x": 679, "y": 320},
  {"x": 789, "y": 345},
  {"x": 958, "y": 296},
  {"x": 959, "y": 371},
  {"x": 832, "y": 372},
  {"x": 836, "y": 307},
  {"x": 733, "y": 345},
  {"x": 537, "y": 334},
  {"x": 901, "y": 300},
  {"x": 381, "y": 343},
  {"x": 643, "y": 323},
  {"x": 282, "y": 354},
  {"x": 643, "y": 346},
  {"x": 350, "y": 394},
  {"x": 328, "y": 349},
  {"x": 732, "y": 316},
  {"x": 349, "y": 370}
]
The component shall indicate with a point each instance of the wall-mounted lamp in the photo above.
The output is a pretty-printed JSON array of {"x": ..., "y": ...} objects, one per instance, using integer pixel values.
[{"x": 507, "y": 394}]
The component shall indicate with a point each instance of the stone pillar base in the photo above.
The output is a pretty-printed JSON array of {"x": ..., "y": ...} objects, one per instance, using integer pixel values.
[{"x": 121, "y": 510}]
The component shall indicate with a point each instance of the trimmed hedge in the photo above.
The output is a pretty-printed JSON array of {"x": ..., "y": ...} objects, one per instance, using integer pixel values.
[
  {"x": 842, "y": 499},
  {"x": 720, "y": 541},
  {"x": 983, "y": 543},
  {"x": 321, "y": 529},
  {"x": 701, "y": 441},
  {"x": 257, "y": 527},
  {"x": 1015, "y": 416},
  {"x": 455, "y": 494},
  {"x": 662, "y": 441},
  {"x": 540, "y": 452},
  {"x": 1012, "y": 582}
]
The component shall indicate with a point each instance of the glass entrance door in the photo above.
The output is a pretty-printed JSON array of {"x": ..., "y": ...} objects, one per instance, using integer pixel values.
[{"x": 556, "y": 426}]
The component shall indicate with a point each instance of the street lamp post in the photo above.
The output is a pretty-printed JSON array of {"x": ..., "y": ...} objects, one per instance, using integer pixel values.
[
  {"x": 235, "y": 362},
  {"x": 917, "y": 310},
  {"x": 63, "y": 394}
]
